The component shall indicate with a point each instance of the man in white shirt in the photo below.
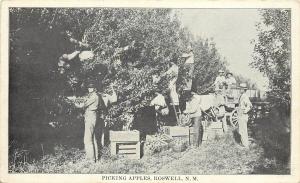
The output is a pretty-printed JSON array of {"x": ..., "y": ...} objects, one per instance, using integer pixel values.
[
  {"x": 158, "y": 102},
  {"x": 160, "y": 105},
  {"x": 243, "y": 109},
  {"x": 230, "y": 84},
  {"x": 230, "y": 80},
  {"x": 173, "y": 74},
  {"x": 64, "y": 61},
  {"x": 193, "y": 108},
  {"x": 189, "y": 67},
  {"x": 189, "y": 57},
  {"x": 220, "y": 81}
]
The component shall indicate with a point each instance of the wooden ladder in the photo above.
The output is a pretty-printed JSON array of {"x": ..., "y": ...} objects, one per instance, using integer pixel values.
[{"x": 177, "y": 113}]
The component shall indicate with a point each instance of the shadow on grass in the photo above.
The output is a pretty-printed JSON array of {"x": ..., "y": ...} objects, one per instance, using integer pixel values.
[
  {"x": 270, "y": 135},
  {"x": 236, "y": 136}
]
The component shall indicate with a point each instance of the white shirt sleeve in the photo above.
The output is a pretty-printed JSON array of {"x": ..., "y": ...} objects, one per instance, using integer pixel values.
[
  {"x": 73, "y": 55},
  {"x": 231, "y": 80},
  {"x": 185, "y": 55},
  {"x": 109, "y": 99},
  {"x": 217, "y": 80},
  {"x": 248, "y": 104},
  {"x": 159, "y": 101}
]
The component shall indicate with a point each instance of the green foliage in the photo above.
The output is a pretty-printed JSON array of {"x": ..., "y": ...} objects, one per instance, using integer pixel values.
[{"x": 272, "y": 53}]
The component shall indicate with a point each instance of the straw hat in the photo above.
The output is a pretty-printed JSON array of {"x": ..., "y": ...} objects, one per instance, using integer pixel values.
[
  {"x": 243, "y": 85},
  {"x": 229, "y": 73},
  {"x": 91, "y": 85}
]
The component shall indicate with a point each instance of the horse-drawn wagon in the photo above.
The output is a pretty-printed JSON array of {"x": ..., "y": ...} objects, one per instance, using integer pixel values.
[
  {"x": 221, "y": 106},
  {"x": 227, "y": 110}
]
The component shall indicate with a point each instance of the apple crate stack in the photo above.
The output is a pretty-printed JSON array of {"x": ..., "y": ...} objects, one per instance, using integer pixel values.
[{"x": 125, "y": 143}]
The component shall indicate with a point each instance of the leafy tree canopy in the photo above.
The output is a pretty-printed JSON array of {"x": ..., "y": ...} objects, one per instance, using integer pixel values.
[
  {"x": 272, "y": 53},
  {"x": 152, "y": 38}
]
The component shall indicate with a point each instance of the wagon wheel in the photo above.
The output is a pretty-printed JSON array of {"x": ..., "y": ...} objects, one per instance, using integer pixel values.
[{"x": 233, "y": 118}]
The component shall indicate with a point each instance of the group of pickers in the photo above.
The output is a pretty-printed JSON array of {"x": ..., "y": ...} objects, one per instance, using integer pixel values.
[
  {"x": 94, "y": 100},
  {"x": 192, "y": 104}
]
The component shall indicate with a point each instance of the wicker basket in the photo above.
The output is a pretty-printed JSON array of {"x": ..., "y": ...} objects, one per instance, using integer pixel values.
[{"x": 179, "y": 145}]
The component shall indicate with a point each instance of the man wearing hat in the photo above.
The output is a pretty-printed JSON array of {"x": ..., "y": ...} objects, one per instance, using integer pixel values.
[
  {"x": 172, "y": 72},
  {"x": 189, "y": 57},
  {"x": 193, "y": 108},
  {"x": 220, "y": 91},
  {"x": 230, "y": 80},
  {"x": 189, "y": 66},
  {"x": 91, "y": 105},
  {"x": 243, "y": 109},
  {"x": 160, "y": 105},
  {"x": 220, "y": 80},
  {"x": 230, "y": 83}
]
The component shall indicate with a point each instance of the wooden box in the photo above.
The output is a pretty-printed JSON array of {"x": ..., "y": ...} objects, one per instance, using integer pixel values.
[
  {"x": 192, "y": 133},
  {"x": 216, "y": 125},
  {"x": 176, "y": 131},
  {"x": 126, "y": 143},
  {"x": 209, "y": 132}
]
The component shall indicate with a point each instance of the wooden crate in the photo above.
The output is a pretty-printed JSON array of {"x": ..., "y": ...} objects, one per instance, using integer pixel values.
[
  {"x": 192, "y": 133},
  {"x": 216, "y": 125},
  {"x": 209, "y": 132},
  {"x": 126, "y": 143},
  {"x": 176, "y": 131},
  {"x": 124, "y": 135}
]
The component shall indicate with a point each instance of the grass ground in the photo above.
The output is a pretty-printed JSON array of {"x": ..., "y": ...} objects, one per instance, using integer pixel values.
[{"x": 268, "y": 154}]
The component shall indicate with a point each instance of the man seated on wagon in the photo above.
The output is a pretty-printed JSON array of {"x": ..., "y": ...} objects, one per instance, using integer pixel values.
[
  {"x": 220, "y": 81},
  {"x": 230, "y": 84},
  {"x": 230, "y": 80},
  {"x": 220, "y": 88},
  {"x": 220, "y": 97}
]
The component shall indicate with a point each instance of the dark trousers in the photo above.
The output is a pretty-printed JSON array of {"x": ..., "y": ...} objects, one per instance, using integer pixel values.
[{"x": 198, "y": 130}]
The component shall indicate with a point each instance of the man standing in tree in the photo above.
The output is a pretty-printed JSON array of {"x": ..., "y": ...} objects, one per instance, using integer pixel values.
[
  {"x": 220, "y": 81},
  {"x": 64, "y": 61},
  {"x": 82, "y": 52},
  {"x": 244, "y": 107},
  {"x": 173, "y": 73},
  {"x": 189, "y": 67}
]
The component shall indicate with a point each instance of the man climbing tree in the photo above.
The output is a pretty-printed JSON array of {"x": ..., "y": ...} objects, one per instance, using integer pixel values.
[{"x": 188, "y": 67}]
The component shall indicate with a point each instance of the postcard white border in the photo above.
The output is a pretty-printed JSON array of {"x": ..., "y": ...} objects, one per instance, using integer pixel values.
[{"x": 295, "y": 158}]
